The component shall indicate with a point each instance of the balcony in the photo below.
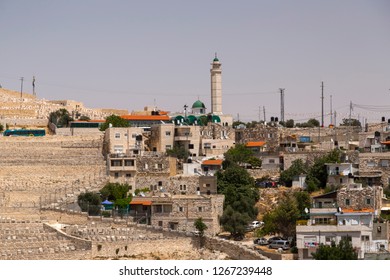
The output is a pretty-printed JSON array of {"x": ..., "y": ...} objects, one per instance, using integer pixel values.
[
  {"x": 310, "y": 228},
  {"x": 122, "y": 165}
]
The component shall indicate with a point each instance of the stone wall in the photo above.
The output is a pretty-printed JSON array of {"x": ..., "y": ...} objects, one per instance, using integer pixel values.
[
  {"x": 174, "y": 185},
  {"x": 376, "y": 163},
  {"x": 358, "y": 196},
  {"x": 259, "y": 173}
]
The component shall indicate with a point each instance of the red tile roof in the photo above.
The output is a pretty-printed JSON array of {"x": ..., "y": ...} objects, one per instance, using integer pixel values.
[
  {"x": 141, "y": 202},
  {"x": 255, "y": 144},
  {"x": 212, "y": 162}
]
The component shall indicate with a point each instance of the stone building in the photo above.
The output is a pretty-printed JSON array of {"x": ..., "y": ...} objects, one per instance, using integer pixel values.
[
  {"x": 216, "y": 139},
  {"x": 179, "y": 212},
  {"x": 348, "y": 213}
]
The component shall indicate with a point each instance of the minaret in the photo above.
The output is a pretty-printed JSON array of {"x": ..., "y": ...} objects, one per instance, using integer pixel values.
[{"x": 216, "y": 87}]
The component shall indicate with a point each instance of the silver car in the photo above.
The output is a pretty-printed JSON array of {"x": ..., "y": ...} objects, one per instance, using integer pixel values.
[{"x": 276, "y": 244}]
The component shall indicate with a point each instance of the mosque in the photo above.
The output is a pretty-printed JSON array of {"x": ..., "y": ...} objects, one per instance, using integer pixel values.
[{"x": 198, "y": 114}]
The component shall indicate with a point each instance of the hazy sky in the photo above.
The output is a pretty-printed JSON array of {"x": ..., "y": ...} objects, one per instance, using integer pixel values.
[{"x": 129, "y": 54}]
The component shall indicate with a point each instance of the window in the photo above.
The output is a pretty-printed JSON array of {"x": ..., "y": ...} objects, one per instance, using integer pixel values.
[
  {"x": 167, "y": 133},
  {"x": 271, "y": 160},
  {"x": 158, "y": 208},
  {"x": 168, "y": 147},
  {"x": 322, "y": 221},
  {"x": 349, "y": 238},
  {"x": 329, "y": 239},
  {"x": 365, "y": 238},
  {"x": 146, "y": 166},
  {"x": 347, "y": 202},
  {"x": 183, "y": 187},
  {"x": 181, "y": 209},
  {"x": 117, "y": 135},
  {"x": 118, "y": 149},
  {"x": 116, "y": 163},
  {"x": 160, "y": 223},
  {"x": 128, "y": 175},
  {"x": 129, "y": 162},
  {"x": 200, "y": 209},
  {"x": 371, "y": 163},
  {"x": 385, "y": 163},
  {"x": 116, "y": 175},
  {"x": 190, "y": 146},
  {"x": 368, "y": 201},
  {"x": 159, "y": 166},
  {"x": 159, "y": 183}
]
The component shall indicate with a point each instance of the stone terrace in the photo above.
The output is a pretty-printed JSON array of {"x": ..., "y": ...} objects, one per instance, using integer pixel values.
[
  {"x": 48, "y": 171},
  {"x": 33, "y": 240}
]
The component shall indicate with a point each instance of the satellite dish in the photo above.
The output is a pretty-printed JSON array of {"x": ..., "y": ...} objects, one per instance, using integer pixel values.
[
  {"x": 339, "y": 210},
  {"x": 306, "y": 210}
]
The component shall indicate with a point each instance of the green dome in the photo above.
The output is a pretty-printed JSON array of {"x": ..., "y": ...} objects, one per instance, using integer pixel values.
[
  {"x": 216, "y": 59},
  {"x": 198, "y": 104}
]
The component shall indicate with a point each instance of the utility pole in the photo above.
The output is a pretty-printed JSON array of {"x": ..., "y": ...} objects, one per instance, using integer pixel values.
[
  {"x": 322, "y": 104},
  {"x": 331, "y": 113},
  {"x": 259, "y": 114},
  {"x": 264, "y": 114},
  {"x": 349, "y": 123},
  {"x": 21, "y": 88},
  {"x": 281, "y": 104},
  {"x": 33, "y": 85}
]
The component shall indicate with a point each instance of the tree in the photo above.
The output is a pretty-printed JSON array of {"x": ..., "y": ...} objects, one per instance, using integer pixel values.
[
  {"x": 297, "y": 168},
  {"x": 234, "y": 222},
  {"x": 341, "y": 251},
  {"x": 313, "y": 123},
  {"x": 285, "y": 216},
  {"x": 119, "y": 194},
  {"x": 303, "y": 200},
  {"x": 240, "y": 199},
  {"x": 89, "y": 202},
  {"x": 238, "y": 155},
  {"x": 178, "y": 151},
  {"x": 1, "y": 127},
  {"x": 254, "y": 162},
  {"x": 84, "y": 118},
  {"x": 317, "y": 175},
  {"x": 60, "y": 117},
  {"x": 200, "y": 226},
  {"x": 351, "y": 122},
  {"x": 115, "y": 121},
  {"x": 290, "y": 123}
]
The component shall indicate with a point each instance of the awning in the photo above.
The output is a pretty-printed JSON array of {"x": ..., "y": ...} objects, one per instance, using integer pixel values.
[
  {"x": 106, "y": 202},
  {"x": 141, "y": 202}
]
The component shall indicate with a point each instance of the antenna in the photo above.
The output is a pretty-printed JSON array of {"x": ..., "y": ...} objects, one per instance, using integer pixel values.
[{"x": 322, "y": 104}]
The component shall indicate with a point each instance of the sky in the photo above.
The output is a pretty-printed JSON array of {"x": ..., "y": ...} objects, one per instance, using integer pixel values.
[{"x": 132, "y": 54}]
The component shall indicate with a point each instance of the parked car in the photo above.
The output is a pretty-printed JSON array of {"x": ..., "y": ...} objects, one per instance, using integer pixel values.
[
  {"x": 260, "y": 241},
  {"x": 283, "y": 244},
  {"x": 256, "y": 224},
  {"x": 274, "y": 238}
]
